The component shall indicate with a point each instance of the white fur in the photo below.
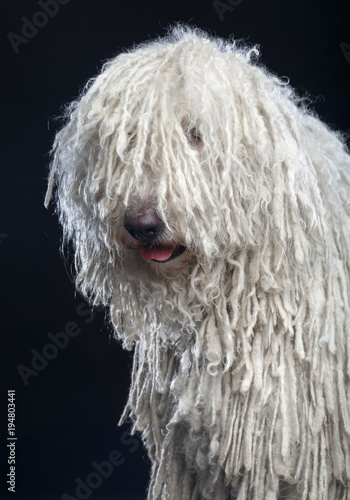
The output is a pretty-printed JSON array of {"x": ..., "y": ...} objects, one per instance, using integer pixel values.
[{"x": 241, "y": 369}]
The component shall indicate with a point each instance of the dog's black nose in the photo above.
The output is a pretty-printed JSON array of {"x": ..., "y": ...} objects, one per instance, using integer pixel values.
[{"x": 144, "y": 226}]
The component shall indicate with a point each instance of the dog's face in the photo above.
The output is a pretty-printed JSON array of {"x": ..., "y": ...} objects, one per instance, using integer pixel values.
[
  {"x": 150, "y": 235},
  {"x": 163, "y": 230}
]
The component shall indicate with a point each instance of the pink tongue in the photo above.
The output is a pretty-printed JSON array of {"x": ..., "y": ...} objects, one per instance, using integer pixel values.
[{"x": 159, "y": 253}]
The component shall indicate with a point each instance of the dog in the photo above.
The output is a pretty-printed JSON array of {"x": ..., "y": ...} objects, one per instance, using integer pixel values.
[{"x": 209, "y": 212}]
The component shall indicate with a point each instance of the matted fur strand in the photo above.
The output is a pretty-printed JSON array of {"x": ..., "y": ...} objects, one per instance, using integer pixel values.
[{"x": 241, "y": 377}]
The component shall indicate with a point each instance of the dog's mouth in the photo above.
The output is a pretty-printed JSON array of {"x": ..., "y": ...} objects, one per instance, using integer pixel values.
[{"x": 161, "y": 253}]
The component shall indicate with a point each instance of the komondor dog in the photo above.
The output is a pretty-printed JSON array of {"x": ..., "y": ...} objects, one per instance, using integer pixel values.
[{"x": 209, "y": 210}]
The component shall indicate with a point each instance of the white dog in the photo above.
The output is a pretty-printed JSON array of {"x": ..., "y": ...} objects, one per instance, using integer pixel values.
[{"x": 209, "y": 210}]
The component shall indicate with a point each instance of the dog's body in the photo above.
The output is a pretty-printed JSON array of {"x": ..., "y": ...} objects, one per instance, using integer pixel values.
[{"x": 210, "y": 211}]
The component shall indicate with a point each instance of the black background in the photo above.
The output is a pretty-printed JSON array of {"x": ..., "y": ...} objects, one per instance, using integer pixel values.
[{"x": 67, "y": 413}]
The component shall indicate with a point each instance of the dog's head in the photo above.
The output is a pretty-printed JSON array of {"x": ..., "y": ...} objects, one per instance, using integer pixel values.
[{"x": 180, "y": 155}]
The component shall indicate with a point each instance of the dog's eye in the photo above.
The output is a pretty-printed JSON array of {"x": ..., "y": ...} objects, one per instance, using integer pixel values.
[{"x": 194, "y": 136}]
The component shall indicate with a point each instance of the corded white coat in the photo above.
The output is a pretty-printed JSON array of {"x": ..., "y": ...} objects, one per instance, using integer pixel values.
[{"x": 241, "y": 378}]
